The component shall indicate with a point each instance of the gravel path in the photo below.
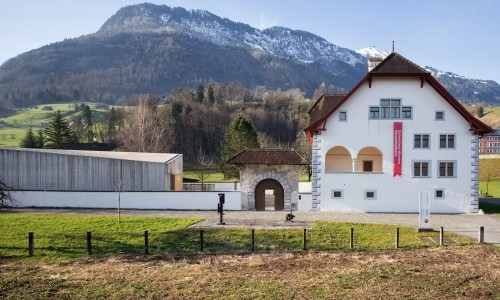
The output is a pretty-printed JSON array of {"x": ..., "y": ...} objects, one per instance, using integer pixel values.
[{"x": 464, "y": 224}]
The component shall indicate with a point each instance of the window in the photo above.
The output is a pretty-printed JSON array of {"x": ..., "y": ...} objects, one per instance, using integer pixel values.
[
  {"x": 390, "y": 109},
  {"x": 421, "y": 169},
  {"x": 343, "y": 116},
  {"x": 421, "y": 141},
  {"x": 447, "y": 169},
  {"x": 374, "y": 112},
  {"x": 439, "y": 193},
  {"x": 367, "y": 165},
  {"x": 370, "y": 195},
  {"x": 440, "y": 116},
  {"x": 337, "y": 194},
  {"x": 406, "y": 112},
  {"x": 446, "y": 141}
]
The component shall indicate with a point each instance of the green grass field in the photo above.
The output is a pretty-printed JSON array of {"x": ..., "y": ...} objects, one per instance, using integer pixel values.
[
  {"x": 18, "y": 121},
  {"x": 493, "y": 187},
  {"x": 60, "y": 236},
  {"x": 216, "y": 176}
]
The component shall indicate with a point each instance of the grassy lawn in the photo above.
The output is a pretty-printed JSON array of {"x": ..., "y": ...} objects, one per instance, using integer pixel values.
[
  {"x": 61, "y": 269},
  {"x": 64, "y": 236},
  {"x": 210, "y": 176},
  {"x": 493, "y": 187},
  {"x": 18, "y": 121},
  {"x": 215, "y": 176}
]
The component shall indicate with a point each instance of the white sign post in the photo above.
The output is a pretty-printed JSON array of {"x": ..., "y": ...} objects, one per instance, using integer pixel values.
[{"x": 424, "y": 211}]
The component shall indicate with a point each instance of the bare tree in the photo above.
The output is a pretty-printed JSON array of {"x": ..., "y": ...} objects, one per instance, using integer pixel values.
[
  {"x": 6, "y": 198},
  {"x": 147, "y": 127},
  {"x": 205, "y": 163},
  {"x": 488, "y": 169},
  {"x": 303, "y": 147}
]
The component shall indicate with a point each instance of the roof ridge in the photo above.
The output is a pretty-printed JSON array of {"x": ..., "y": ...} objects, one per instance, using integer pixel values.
[{"x": 394, "y": 56}]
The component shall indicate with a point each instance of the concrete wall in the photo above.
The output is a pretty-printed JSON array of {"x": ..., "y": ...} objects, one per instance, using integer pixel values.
[
  {"x": 132, "y": 200},
  {"x": 401, "y": 193}
]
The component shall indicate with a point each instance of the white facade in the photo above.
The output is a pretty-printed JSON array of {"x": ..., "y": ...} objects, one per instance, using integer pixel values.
[{"x": 341, "y": 146}]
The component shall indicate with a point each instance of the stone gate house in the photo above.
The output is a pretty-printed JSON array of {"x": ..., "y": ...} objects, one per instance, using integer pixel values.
[
  {"x": 397, "y": 136},
  {"x": 269, "y": 178}
]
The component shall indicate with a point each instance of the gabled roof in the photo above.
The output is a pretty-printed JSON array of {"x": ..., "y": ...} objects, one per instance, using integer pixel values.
[
  {"x": 324, "y": 104},
  {"x": 397, "y": 66},
  {"x": 267, "y": 157}
]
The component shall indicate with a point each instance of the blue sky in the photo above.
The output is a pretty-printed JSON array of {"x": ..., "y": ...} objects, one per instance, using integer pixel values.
[{"x": 461, "y": 36}]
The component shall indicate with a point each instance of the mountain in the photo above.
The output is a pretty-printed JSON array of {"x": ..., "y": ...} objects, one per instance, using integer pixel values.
[
  {"x": 373, "y": 52},
  {"x": 156, "y": 49},
  {"x": 148, "y": 48},
  {"x": 466, "y": 90}
]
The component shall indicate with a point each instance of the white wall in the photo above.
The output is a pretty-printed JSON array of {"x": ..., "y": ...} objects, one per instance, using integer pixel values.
[
  {"x": 133, "y": 200},
  {"x": 397, "y": 194},
  {"x": 305, "y": 202}
]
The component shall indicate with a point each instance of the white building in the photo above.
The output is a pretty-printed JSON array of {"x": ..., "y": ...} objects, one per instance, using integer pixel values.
[{"x": 397, "y": 135}]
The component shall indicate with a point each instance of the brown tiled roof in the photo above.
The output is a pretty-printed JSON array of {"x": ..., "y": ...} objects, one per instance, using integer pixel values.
[
  {"x": 323, "y": 106},
  {"x": 268, "y": 157},
  {"x": 397, "y": 64}
]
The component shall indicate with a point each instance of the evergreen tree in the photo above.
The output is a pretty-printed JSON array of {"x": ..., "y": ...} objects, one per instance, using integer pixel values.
[
  {"x": 112, "y": 123},
  {"x": 239, "y": 136},
  {"x": 29, "y": 140},
  {"x": 58, "y": 134},
  {"x": 40, "y": 139},
  {"x": 87, "y": 113},
  {"x": 210, "y": 95},
  {"x": 200, "y": 93},
  {"x": 480, "y": 112}
]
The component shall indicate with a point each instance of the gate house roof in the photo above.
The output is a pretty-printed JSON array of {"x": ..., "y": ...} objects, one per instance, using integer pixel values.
[{"x": 267, "y": 157}]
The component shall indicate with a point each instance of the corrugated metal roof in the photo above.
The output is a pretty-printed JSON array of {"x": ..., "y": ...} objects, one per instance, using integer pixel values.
[{"x": 133, "y": 156}]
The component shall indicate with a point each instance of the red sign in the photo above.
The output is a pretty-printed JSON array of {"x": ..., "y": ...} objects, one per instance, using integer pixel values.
[{"x": 398, "y": 148}]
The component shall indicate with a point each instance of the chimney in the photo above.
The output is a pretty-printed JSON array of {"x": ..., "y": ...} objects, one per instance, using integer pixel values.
[{"x": 373, "y": 62}]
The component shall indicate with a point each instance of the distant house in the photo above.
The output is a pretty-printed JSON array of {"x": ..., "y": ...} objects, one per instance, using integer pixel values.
[
  {"x": 397, "y": 136},
  {"x": 490, "y": 142}
]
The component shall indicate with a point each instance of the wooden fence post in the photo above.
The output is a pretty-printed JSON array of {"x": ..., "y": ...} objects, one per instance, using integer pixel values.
[
  {"x": 441, "y": 236},
  {"x": 305, "y": 239},
  {"x": 253, "y": 240},
  {"x": 351, "y": 239},
  {"x": 397, "y": 237},
  {"x": 201, "y": 240},
  {"x": 89, "y": 242},
  {"x": 31, "y": 243},
  {"x": 146, "y": 242},
  {"x": 480, "y": 237}
]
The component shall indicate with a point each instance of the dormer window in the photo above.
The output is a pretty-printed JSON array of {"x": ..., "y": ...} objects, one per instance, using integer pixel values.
[{"x": 390, "y": 109}]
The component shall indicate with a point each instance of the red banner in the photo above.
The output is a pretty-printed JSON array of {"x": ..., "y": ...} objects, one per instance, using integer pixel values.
[{"x": 398, "y": 148}]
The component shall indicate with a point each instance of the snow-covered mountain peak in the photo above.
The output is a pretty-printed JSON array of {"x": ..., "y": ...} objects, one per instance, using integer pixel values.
[
  {"x": 276, "y": 41},
  {"x": 373, "y": 52}
]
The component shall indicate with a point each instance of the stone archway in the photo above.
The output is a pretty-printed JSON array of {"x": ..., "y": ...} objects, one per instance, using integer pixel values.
[
  {"x": 272, "y": 177},
  {"x": 264, "y": 201}
]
